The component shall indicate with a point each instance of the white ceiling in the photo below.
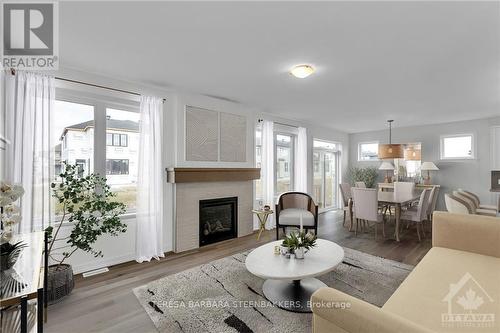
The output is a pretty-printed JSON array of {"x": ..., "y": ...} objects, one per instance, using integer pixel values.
[{"x": 417, "y": 63}]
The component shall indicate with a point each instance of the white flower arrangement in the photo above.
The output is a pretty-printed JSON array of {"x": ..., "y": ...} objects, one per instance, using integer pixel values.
[{"x": 10, "y": 213}]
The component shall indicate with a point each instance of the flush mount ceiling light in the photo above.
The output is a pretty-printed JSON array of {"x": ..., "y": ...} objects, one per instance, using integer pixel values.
[
  {"x": 391, "y": 150},
  {"x": 302, "y": 71}
]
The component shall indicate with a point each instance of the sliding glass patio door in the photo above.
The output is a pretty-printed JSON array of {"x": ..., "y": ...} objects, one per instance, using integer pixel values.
[{"x": 326, "y": 174}]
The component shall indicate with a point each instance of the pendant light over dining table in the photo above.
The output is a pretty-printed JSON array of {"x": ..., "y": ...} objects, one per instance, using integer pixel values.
[{"x": 390, "y": 150}]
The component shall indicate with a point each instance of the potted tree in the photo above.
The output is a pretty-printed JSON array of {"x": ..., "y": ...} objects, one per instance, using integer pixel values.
[
  {"x": 87, "y": 205},
  {"x": 367, "y": 175}
]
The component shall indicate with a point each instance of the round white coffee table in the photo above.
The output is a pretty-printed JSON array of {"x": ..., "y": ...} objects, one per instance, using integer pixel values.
[{"x": 290, "y": 282}]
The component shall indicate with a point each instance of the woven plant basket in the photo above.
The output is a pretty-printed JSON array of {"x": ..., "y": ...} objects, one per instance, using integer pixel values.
[{"x": 60, "y": 282}]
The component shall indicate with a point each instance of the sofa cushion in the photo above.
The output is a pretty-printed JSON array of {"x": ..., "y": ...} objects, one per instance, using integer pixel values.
[
  {"x": 423, "y": 296},
  {"x": 291, "y": 216}
]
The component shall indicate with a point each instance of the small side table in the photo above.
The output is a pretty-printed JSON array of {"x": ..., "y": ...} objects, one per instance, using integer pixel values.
[{"x": 263, "y": 215}]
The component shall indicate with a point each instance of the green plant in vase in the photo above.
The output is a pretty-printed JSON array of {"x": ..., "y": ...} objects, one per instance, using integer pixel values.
[
  {"x": 299, "y": 243},
  {"x": 89, "y": 210}
]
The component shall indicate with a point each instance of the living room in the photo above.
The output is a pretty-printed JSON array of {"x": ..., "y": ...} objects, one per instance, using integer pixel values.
[{"x": 250, "y": 166}]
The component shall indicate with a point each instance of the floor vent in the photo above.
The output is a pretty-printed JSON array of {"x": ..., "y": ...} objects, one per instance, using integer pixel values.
[{"x": 95, "y": 272}]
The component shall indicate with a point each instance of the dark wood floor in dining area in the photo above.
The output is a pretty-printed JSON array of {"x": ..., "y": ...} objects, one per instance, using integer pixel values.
[{"x": 105, "y": 302}]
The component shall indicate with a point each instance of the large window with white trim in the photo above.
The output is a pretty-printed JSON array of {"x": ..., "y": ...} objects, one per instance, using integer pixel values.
[
  {"x": 122, "y": 156},
  {"x": 98, "y": 134},
  {"x": 72, "y": 134},
  {"x": 368, "y": 151},
  {"x": 326, "y": 175},
  {"x": 284, "y": 162},
  {"x": 458, "y": 146}
]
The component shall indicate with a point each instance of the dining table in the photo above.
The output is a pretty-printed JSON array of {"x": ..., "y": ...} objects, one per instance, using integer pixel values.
[{"x": 395, "y": 199}]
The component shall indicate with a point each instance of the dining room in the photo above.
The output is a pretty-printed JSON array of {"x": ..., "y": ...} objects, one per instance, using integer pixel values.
[{"x": 399, "y": 176}]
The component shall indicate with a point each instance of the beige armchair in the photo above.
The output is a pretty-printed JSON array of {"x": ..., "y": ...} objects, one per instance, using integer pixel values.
[
  {"x": 457, "y": 205},
  {"x": 291, "y": 206},
  {"x": 472, "y": 204},
  {"x": 477, "y": 203}
]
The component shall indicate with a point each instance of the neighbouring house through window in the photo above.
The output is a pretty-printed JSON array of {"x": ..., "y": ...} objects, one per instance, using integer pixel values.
[
  {"x": 73, "y": 135},
  {"x": 122, "y": 156}
]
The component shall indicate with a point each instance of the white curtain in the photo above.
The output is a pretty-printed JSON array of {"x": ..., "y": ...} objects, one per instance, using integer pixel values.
[
  {"x": 150, "y": 181},
  {"x": 29, "y": 101},
  {"x": 301, "y": 161},
  {"x": 267, "y": 169}
]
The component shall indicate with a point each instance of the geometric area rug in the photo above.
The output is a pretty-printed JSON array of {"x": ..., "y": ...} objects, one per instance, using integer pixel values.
[{"x": 222, "y": 296}]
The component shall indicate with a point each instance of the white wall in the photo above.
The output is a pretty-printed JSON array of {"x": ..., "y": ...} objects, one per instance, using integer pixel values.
[{"x": 473, "y": 175}]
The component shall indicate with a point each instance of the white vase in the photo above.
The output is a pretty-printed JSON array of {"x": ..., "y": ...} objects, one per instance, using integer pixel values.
[{"x": 299, "y": 253}]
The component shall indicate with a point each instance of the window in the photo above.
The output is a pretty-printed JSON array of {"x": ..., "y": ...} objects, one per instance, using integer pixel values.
[
  {"x": 116, "y": 139},
  {"x": 73, "y": 126},
  {"x": 459, "y": 146},
  {"x": 326, "y": 173},
  {"x": 122, "y": 156},
  {"x": 82, "y": 166},
  {"x": 73, "y": 133},
  {"x": 109, "y": 139},
  {"x": 117, "y": 167},
  {"x": 284, "y": 160},
  {"x": 123, "y": 140},
  {"x": 368, "y": 151}
]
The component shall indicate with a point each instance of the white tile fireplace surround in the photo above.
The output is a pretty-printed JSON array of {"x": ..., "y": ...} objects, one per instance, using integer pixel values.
[{"x": 187, "y": 199}]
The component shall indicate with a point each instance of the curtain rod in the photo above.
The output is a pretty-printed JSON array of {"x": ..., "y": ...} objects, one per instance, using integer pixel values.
[
  {"x": 13, "y": 72},
  {"x": 102, "y": 87},
  {"x": 276, "y": 122}
]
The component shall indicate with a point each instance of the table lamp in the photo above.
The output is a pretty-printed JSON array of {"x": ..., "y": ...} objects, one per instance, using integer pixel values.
[
  {"x": 387, "y": 166},
  {"x": 428, "y": 166}
]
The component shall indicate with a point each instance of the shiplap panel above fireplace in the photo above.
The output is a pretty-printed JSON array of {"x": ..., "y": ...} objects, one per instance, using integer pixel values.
[
  {"x": 202, "y": 134},
  {"x": 213, "y": 136}
]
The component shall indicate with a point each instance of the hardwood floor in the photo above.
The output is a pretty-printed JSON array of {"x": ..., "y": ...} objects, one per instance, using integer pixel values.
[{"x": 105, "y": 303}]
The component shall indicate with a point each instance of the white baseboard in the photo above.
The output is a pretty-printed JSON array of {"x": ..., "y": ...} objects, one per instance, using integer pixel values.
[{"x": 103, "y": 262}]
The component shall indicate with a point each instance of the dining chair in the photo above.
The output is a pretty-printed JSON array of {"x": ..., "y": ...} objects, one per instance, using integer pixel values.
[
  {"x": 291, "y": 207},
  {"x": 433, "y": 201},
  {"x": 345, "y": 193},
  {"x": 404, "y": 187},
  {"x": 360, "y": 184},
  {"x": 366, "y": 208},
  {"x": 418, "y": 214},
  {"x": 433, "y": 196}
]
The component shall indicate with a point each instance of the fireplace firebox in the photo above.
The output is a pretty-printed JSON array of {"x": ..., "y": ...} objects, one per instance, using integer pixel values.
[{"x": 218, "y": 220}]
